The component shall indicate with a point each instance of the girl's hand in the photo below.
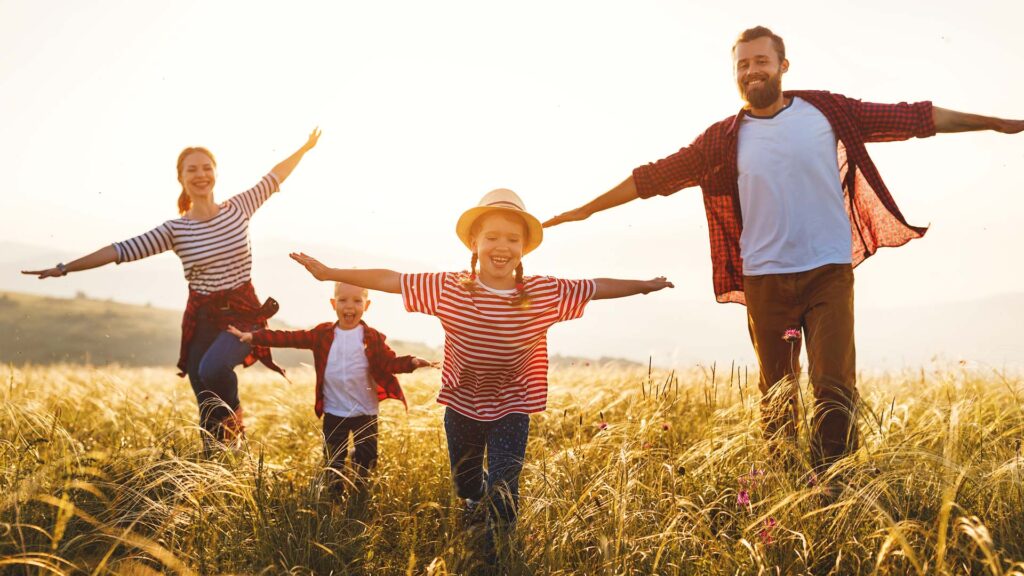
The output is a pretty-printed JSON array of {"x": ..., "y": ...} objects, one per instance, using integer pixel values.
[
  {"x": 48, "y": 273},
  {"x": 314, "y": 136},
  {"x": 315, "y": 267},
  {"x": 421, "y": 363},
  {"x": 656, "y": 284},
  {"x": 245, "y": 337}
]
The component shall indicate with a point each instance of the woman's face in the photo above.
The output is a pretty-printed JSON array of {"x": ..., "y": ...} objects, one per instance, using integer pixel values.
[
  {"x": 198, "y": 175},
  {"x": 499, "y": 244}
]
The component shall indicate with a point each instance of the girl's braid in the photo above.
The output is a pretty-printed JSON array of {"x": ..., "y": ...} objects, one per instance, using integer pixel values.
[
  {"x": 469, "y": 282},
  {"x": 522, "y": 297}
]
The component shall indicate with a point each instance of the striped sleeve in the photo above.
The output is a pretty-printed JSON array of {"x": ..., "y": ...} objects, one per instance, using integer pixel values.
[
  {"x": 422, "y": 292},
  {"x": 254, "y": 197},
  {"x": 157, "y": 240},
  {"x": 573, "y": 296}
]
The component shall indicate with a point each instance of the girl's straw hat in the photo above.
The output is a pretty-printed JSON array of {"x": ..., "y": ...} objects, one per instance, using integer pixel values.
[{"x": 501, "y": 200}]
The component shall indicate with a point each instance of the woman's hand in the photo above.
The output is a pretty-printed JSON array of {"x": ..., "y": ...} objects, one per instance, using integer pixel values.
[
  {"x": 245, "y": 337},
  {"x": 314, "y": 136},
  {"x": 48, "y": 273},
  {"x": 318, "y": 269}
]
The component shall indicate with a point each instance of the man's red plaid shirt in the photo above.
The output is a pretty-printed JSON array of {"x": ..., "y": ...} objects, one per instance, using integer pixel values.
[{"x": 710, "y": 162}]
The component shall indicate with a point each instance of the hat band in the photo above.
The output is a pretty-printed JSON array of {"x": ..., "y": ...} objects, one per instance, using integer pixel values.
[{"x": 505, "y": 204}]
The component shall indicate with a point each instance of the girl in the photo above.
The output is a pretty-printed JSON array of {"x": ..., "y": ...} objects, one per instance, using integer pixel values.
[
  {"x": 495, "y": 352},
  {"x": 212, "y": 240}
]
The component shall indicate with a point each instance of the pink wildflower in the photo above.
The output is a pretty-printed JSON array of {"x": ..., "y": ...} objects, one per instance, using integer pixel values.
[
  {"x": 766, "y": 532},
  {"x": 602, "y": 426},
  {"x": 665, "y": 426},
  {"x": 791, "y": 335},
  {"x": 743, "y": 498}
]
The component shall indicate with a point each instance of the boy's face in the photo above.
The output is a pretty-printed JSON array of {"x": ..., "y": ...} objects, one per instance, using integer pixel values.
[{"x": 349, "y": 302}]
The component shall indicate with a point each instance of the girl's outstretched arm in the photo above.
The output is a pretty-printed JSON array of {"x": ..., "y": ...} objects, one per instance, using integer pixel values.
[
  {"x": 101, "y": 257},
  {"x": 612, "y": 288},
  {"x": 378, "y": 279},
  {"x": 285, "y": 167}
]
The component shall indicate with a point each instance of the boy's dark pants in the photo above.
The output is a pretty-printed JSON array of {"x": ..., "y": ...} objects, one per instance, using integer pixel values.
[
  {"x": 504, "y": 440},
  {"x": 364, "y": 436},
  {"x": 820, "y": 301}
]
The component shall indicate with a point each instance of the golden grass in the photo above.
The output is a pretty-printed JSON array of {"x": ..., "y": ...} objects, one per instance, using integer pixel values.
[{"x": 100, "y": 475}]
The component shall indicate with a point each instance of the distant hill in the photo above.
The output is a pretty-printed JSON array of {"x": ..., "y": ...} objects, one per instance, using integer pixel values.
[{"x": 45, "y": 330}]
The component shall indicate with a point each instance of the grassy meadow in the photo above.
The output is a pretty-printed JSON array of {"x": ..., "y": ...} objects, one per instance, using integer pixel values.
[{"x": 627, "y": 473}]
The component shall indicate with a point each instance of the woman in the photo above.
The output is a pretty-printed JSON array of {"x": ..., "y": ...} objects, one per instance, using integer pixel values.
[{"x": 212, "y": 240}]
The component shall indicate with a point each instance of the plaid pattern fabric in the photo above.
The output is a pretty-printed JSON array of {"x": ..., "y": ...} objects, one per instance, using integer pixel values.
[
  {"x": 238, "y": 306},
  {"x": 384, "y": 363},
  {"x": 710, "y": 162}
]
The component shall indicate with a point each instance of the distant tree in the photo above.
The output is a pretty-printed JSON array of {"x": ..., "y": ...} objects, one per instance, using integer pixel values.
[{"x": 81, "y": 295}]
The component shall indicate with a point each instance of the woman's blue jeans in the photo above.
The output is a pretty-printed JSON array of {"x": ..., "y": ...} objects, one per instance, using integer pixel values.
[{"x": 212, "y": 357}]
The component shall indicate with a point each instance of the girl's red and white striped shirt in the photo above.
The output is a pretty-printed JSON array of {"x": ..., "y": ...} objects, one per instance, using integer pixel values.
[{"x": 495, "y": 353}]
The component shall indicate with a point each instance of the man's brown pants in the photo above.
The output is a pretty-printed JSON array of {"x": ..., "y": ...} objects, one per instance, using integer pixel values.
[{"x": 820, "y": 303}]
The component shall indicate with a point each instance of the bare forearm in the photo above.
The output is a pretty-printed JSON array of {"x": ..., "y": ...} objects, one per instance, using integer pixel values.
[
  {"x": 617, "y": 196},
  {"x": 607, "y": 288},
  {"x": 285, "y": 167},
  {"x": 101, "y": 257},
  {"x": 952, "y": 121},
  {"x": 375, "y": 279}
]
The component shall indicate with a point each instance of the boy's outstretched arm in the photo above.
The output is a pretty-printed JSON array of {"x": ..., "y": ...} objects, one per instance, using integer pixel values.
[
  {"x": 612, "y": 288},
  {"x": 375, "y": 279},
  {"x": 276, "y": 338},
  {"x": 953, "y": 121},
  {"x": 624, "y": 192}
]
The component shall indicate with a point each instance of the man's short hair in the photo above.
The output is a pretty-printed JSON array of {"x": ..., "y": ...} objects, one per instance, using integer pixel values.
[{"x": 760, "y": 32}]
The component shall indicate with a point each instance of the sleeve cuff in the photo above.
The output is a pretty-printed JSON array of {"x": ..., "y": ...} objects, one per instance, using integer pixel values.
[{"x": 927, "y": 128}]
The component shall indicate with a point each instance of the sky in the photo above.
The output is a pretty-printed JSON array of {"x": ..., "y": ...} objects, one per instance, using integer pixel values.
[{"x": 425, "y": 106}]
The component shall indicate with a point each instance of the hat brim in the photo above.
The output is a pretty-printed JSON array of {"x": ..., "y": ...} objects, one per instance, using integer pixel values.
[{"x": 535, "y": 231}]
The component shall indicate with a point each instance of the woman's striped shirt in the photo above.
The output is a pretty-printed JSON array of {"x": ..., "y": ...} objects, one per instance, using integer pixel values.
[
  {"x": 215, "y": 253},
  {"x": 495, "y": 353}
]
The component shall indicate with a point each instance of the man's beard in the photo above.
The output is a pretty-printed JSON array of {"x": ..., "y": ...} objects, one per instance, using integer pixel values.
[{"x": 764, "y": 95}]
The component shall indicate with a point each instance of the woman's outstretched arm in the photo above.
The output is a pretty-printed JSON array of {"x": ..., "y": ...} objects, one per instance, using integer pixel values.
[
  {"x": 285, "y": 167},
  {"x": 101, "y": 257},
  {"x": 377, "y": 279},
  {"x": 612, "y": 288}
]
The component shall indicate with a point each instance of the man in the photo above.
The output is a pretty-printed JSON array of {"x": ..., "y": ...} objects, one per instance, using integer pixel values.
[{"x": 793, "y": 203}]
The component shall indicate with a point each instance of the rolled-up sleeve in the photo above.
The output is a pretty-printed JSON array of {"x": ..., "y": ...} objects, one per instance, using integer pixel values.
[
  {"x": 667, "y": 176},
  {"x": 892, "y": 122}
]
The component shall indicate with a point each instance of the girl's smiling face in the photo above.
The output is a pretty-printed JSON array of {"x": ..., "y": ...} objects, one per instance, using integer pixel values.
[{"x": 499, "y": 239}]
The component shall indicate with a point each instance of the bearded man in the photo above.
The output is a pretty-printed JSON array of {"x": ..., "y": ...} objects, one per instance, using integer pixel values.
[{"x": 794, "y": 203}]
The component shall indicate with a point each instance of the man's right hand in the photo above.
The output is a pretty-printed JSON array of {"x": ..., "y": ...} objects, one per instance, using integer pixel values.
[{"x": 570, "y": 216}]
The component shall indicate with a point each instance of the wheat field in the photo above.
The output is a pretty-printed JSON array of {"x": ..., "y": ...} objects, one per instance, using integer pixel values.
[{"x": 628, "y": 472}]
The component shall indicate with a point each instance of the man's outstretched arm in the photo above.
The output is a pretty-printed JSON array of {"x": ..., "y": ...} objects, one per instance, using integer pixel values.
[
  {"x": 953, "y": 121},
  {"x": 624, "y": 192}
]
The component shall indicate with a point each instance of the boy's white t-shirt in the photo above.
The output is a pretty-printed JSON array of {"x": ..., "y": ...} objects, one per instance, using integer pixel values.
[
  {"x": 348, "y": 389},
  {"x": 794, "y": 217}
]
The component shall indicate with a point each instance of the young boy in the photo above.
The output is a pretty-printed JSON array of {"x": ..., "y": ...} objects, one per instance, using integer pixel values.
[{"x": 355, "y": 370}]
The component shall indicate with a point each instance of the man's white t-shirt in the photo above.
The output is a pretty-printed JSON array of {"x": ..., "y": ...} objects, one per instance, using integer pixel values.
[
  {"x": 794, "y": 217},
  {"x": 348, "y": 389}
]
